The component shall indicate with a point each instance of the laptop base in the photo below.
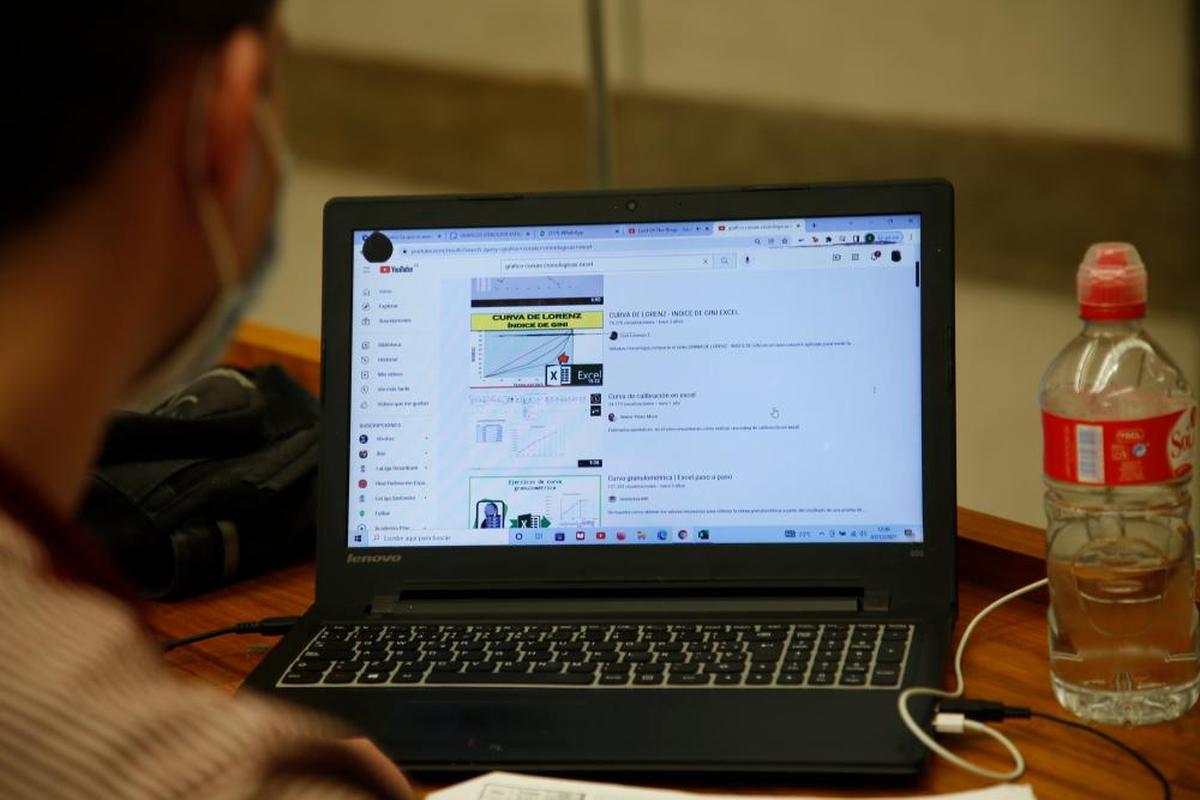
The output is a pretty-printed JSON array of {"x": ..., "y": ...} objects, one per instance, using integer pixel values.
[{"x": 602, "y": 730}]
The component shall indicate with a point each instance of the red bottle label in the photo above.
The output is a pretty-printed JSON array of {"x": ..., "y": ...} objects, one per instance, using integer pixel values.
[{"x": 1119, "y": 452}]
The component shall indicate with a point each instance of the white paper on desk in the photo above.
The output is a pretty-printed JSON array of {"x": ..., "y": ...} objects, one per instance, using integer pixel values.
[{"x": 508, "y": 786}]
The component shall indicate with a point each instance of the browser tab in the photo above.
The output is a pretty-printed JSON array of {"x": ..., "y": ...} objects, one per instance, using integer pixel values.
[
  {"x": 670, "y": 229},
  {"x": 744, "y": 227}
]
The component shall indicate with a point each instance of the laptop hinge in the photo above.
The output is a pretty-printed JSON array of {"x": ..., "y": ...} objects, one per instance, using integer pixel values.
[
  {"x": 876, "y": 600},
  {"x": 386, "y": 604},
  {"x": 438, "y": 603}
]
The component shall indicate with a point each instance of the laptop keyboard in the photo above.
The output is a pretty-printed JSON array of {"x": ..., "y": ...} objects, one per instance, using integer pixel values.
[{"x": 780, "y": 655}]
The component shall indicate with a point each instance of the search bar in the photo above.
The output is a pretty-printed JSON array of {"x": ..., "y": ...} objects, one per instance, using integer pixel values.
[{"x": 630, "y": 263}]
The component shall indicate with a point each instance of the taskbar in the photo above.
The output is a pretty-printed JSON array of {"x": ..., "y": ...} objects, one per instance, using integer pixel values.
[{"x": 391, "y": 536}]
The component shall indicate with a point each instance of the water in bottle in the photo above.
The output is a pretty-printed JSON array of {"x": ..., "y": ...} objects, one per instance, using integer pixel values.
[{"x": 1119, "y": 424}]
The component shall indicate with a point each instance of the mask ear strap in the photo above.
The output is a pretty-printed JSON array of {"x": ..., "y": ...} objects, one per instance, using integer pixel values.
[
  {"x": 272, "y": 134},
  {"x": 212, "y": 223}
]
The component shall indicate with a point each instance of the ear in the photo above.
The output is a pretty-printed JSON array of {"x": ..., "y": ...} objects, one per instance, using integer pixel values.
[{"x": 230, "y": 156}]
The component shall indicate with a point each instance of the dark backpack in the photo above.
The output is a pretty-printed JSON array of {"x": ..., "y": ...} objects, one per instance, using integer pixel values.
[{"x": 216, "y": 484}]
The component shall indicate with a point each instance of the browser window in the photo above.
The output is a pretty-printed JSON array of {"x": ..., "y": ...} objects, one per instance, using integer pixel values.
[{"x": 684, "y": 383}]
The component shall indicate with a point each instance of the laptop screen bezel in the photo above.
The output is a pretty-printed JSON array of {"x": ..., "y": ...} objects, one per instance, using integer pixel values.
[{"x": 920, "y": 572}]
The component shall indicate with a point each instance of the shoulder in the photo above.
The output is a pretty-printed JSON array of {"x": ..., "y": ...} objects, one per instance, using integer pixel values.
[
  {"x": 18, "y": 549},
  {"x": 79, "y": 676}
]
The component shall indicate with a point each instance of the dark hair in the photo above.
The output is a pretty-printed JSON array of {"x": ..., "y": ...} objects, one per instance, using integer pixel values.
[{"x": 77, "y": 77}]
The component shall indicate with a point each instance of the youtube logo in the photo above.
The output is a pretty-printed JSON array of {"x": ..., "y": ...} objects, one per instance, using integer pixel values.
[{"x": 385, "y": 269}]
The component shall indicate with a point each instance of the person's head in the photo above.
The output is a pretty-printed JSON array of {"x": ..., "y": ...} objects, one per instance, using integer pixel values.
[{"x": 146, "y": 133}]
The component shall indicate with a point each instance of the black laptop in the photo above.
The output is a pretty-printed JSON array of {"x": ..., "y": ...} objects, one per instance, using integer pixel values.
[{"x": 637, "y": 481}]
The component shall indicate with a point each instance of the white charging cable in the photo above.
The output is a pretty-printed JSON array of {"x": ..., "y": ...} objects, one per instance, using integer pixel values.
[{"x": 958, "y": 723}]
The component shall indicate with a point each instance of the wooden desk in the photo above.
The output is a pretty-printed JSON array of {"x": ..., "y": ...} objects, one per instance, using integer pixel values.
[{"x": 1006, "y": 661}]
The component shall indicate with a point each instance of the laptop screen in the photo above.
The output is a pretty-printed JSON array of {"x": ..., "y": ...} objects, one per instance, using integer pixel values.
[{"x": 680, "y": 383}]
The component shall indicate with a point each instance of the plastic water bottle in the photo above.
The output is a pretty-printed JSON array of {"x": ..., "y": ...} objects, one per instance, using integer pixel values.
[{"x": 1118, "y": 424}]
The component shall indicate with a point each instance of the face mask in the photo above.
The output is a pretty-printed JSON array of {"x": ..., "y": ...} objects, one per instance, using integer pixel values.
[{"x": 201, "y": 348}]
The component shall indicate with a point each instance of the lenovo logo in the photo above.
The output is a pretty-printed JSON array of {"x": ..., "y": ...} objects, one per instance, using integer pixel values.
[{"x": 355, "y": 558}]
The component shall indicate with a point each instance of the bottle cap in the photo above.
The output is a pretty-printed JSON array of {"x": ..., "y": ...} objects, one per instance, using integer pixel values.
[{"x": 1111, "y": 282}]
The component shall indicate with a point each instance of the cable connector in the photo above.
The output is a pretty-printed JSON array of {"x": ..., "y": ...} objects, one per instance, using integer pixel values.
[
  {"x": 957, "y": 722},
  {"x": 982, "y": 710},
  {"x": 944, "y": 722},
  {"x": 267, "y": 626}
]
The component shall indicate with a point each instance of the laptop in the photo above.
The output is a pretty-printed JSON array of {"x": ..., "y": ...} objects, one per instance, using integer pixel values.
[{"x": 634, "y": 481}]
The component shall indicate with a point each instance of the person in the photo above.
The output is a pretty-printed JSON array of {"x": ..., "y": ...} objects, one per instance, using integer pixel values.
[{"x": 143, "y": 164}]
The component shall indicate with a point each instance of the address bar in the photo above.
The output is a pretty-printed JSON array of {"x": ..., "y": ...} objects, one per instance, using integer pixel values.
[
  {"x": 630, "y": 263},
  {"x": 498, "y": 249}
]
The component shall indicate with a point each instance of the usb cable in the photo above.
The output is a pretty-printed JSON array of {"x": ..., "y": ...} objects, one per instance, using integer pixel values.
[
  {"x": 956, "y": 722},
  {"x": 957, "y": 715},
  {"x": 992, "y": 711}
]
